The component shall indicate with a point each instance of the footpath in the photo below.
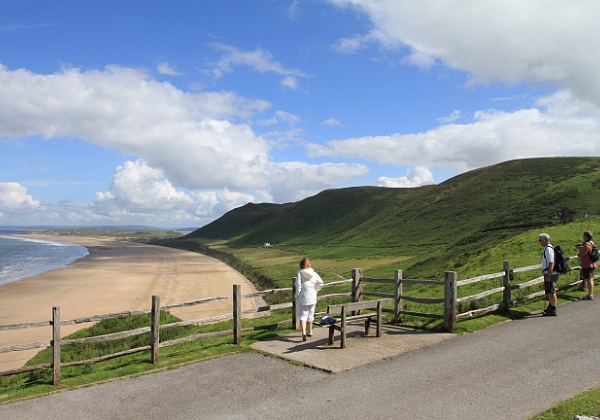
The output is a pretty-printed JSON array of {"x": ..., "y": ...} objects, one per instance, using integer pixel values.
[{"x": 508, "y": 371}]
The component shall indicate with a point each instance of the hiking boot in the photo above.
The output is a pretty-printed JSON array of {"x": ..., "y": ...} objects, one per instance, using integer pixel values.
[{"x": 549, "y": 311}]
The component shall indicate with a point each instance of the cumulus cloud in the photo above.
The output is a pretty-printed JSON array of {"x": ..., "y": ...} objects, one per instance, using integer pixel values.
[
  {"x": 414, "y": 178},
  {"x": 137, "y": 186},
  {"x": 192, "y": 137},
  {"x": 511, "y": 41},
  {"x": 14, "y": 195},
  {"x": 561, "y": 125},
  {"x": 139, "y": 191},
  {"x": 16, "y": 202},
  {"x": 191, "y": 146}
]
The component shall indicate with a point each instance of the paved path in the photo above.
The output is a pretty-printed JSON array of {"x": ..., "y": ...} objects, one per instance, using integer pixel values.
[{"x": 509, "y": 371}]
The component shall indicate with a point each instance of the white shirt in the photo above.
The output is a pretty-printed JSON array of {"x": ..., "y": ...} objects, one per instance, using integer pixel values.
[
  {"x": 547, "y": 258},
  {"x": 308, "y": 283}
]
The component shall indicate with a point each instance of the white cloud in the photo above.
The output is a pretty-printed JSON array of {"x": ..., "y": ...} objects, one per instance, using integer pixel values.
[
  {"x": 166, "y": 69},
  {"x": 193, "y": 148},
  {"x": 137, "y": 186},
  {"x": 293, "y": 10},
  {"x": 14, "y": 195},
  {"x": 141, "y": 192},
  {"x": 351, "y": 44},
  {"x": 210, "y": 205},
  {"x": 509, "y": 40},
  {"x": 332, "y": 122},
  {"x": 454, "y": 115},
  {"x": 259, "y": 60},
  {"x": 292, "y": 181},
  {"x": 414, "y": 178},
  {"x": 356, "y": 43},
  {"x": 189, "y": 136},
  {"x": 290, "y": 82},
  {"x": 561, "y": 126},
  {"x": 15, "y": 202}
]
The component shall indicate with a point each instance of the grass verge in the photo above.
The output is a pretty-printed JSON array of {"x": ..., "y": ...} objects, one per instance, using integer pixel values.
[{"x": 586, "y": 404}]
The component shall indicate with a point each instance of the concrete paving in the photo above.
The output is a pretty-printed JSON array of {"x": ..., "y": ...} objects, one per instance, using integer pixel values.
[{"x": 360, "y": 349}]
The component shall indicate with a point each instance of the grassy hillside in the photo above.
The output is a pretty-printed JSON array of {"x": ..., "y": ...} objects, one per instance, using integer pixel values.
[{"x": 428, "y": 229}]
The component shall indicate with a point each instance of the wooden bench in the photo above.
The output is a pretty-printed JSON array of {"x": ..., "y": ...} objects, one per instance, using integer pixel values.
[{"x": 344, "y": 308}]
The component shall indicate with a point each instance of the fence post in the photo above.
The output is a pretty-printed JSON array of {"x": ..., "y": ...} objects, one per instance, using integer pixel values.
[
  {"x": 397, "y": 295},
  {"x": 295, "y": 320},
  {"x": 357, "y": 274},
  {"x": 507, "y": 294},
  {"x": 450, "y": 291},
  {"x": 356, "y": 287},
  {"x": 237, "y": 314},
  {"x": 155, "y": 329},
  {"x": 56, "y": 346}
]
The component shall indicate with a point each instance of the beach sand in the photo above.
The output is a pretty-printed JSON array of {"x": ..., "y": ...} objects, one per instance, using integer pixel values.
[{"x": 115, "y": 277}]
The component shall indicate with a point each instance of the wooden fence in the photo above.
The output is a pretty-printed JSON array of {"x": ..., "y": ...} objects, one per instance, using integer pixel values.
[{"x": 450, "y": 300}]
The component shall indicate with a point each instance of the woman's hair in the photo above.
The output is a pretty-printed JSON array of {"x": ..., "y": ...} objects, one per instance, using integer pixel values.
[
  {"x": 304, "y": 263},
  {"x": 544, "y": 236},
  {"x": 588, "y": 235}
]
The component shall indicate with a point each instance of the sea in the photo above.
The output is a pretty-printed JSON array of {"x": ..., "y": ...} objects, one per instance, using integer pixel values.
[{"x": 25, "y": 257}]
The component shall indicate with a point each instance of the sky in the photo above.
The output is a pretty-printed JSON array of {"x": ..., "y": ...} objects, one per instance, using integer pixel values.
[{"x": 171, "y": 113}]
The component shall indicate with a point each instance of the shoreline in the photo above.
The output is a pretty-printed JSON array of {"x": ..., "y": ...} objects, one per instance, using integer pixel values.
[
  {"x": 47, "y": 266},
  {"x": 115, "y": 276}
]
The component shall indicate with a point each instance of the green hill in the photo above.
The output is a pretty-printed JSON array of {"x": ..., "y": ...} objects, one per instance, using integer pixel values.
[{"x": 433, "y": 225}]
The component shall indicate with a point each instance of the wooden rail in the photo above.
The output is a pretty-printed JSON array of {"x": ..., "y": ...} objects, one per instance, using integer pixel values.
[{"x": 450, "y": 316}]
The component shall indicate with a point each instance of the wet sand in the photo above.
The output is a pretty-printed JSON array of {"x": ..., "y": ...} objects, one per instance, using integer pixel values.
[{"x": 116, "y": 276}]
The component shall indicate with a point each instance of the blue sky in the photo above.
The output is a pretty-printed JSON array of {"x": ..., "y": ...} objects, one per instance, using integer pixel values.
[{"x": 171, "y": 113}]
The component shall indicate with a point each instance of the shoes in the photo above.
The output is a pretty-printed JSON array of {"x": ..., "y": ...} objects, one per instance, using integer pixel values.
[
  {"x": 588, "y": 297},
  {"x": 309, "y": 335},
  {"x": 303, "y": 337},
  {"x": 549, "y": 311}
]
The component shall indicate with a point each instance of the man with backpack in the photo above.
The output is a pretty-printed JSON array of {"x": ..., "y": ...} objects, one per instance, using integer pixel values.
[
  {"x": 550, "y": 274},
  {"x": 588, "y": 260}
]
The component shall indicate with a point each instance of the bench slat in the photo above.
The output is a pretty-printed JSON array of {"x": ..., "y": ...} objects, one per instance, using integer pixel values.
[
  {"x": 357, "y": 306},
  {"x": 353, "y": 318}
]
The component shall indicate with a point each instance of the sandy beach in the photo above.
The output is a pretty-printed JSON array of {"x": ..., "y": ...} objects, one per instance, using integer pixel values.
[{"x": 116, "y": 276}]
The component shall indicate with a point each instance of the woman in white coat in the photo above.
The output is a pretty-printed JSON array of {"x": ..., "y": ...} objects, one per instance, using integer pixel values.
[{"x": 308, "y": 283}]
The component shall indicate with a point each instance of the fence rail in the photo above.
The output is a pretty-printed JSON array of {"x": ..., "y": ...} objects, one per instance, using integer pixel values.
[{"x": 450, "y": 314}]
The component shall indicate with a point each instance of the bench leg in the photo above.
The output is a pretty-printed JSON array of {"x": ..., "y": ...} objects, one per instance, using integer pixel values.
[
  {"x": 331, "y": 331},
  {"x": 343, "y": 343},
  {"x": 378, "y": 319}
]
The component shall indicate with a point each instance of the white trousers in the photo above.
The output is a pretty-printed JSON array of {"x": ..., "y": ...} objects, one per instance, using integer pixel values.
[{"x": 306, "y": 312}]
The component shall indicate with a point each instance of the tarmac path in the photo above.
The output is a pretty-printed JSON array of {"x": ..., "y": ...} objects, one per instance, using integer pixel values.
[{"x": 508, "y": 371}]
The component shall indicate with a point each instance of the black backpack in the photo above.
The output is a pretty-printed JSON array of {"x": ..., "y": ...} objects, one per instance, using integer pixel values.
[
  {"x": 561, "y": 265},
  {"x": 594, "y": 253}
]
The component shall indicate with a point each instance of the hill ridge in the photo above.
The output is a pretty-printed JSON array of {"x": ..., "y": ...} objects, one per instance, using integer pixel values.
[{"x": 461, "y": 213}]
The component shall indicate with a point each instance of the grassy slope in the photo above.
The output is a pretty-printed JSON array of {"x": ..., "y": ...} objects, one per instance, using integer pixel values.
[{"x": 425, "y": 230}]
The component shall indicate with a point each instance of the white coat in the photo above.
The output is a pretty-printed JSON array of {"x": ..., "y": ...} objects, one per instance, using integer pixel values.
[{"x": 308, "y": 283}]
